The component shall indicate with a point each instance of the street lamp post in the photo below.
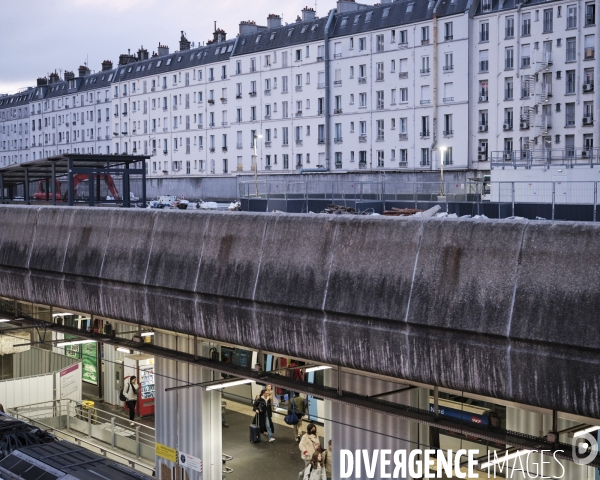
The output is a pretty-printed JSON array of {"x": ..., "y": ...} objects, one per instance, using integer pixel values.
[
  {"x": 256, "y": 137},
  {"x": 442, "y": 153}
]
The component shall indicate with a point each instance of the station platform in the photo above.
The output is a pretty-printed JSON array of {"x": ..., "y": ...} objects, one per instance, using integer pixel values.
[{"x": 279, "y": 459}]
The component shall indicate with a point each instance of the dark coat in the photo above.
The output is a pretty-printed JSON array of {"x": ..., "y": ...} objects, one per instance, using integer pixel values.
[{"x": 264, "y": 410}]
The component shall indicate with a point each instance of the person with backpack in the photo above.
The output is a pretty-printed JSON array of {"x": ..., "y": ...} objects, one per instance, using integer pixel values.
[
  {"x": 130, "y": 390},
  {"x": 264, "y": 413},
  {"x": 315, "y": 470},
  {"x": 309, "y": 444},
  {"x": 300, "y": 411}
]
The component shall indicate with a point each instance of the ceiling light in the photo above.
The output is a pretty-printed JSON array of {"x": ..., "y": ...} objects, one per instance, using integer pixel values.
[
  {"x": 63, "y": 314},
  {"x": 4, "y": 320},
  {"x": 147, "y": 334},
  {"x": 316, "y": 369},
  {"x": 123, "y": 349},
  {"x": 229, "y": 384},
  {"x": 75, "y": 342},
  {"x": 580, "y": 433}
]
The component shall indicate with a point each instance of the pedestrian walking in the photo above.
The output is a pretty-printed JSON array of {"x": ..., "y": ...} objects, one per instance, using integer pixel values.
[
  {"x": 309, "y": 444},
  {"x": 130, "y": 390},
  {"x": 315, "y": 470},
  {"x": 300, "y": 410},
  {"x": 263, "y": 410}
]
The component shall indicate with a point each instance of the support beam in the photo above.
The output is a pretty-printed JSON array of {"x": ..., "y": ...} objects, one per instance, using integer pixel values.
[
  {"x": 436, "y": 402},
  {"x": 70, "y": 183},
  {"x": 53, "y": 186},
  {"x": 26, "y": 188}
]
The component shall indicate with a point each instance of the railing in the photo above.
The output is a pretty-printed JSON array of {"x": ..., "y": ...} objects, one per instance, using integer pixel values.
[
  {"x": 567, "y": 157},
  {"x": 95, "y": 430}
]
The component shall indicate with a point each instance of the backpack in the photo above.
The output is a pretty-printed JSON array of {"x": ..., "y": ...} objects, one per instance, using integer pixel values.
[
  {"x": 291, "y": 418},
  {"x": 122, "y": 396},
  {"x": 301, "y": 474}
]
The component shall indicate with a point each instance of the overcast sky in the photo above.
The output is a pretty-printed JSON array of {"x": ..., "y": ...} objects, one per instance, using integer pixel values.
[{"x": 40, "y": 36}]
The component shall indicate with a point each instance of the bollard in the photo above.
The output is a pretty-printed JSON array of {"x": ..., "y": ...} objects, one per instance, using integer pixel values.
[
  {"x": 137, "y": 441},
  {"x": 112, "y": 437}
]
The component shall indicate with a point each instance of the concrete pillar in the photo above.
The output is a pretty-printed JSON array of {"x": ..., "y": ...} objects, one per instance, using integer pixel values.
[
  {"x": 187, "y": 420},
  {"x": 524, "y": 421},
  {"x": 353, "y": 428}
]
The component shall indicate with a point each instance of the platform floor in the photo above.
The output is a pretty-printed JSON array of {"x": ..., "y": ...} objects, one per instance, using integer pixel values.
[{"x": 279, "y": 459}]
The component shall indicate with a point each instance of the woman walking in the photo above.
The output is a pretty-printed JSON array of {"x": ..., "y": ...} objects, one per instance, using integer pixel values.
[
  {"x": 309, "y": 444},
  {"x": 263, "y": 410},
  {"x": 131, "y": 394},
  {"x": 315, "y": 469}
]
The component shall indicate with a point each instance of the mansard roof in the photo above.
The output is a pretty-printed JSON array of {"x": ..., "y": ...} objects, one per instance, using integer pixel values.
[{"x": 213, "y": 53}]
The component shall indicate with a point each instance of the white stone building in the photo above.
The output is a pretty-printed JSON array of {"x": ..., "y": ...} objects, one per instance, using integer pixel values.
[{"x": 393, "y": 87}]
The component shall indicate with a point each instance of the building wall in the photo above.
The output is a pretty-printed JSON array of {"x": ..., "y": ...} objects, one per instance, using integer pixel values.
[{"x": 187, "y": 118}]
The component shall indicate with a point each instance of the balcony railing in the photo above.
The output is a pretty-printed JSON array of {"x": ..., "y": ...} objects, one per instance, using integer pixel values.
[
  {"x": 525, "y": 62},
  {"x": 403, "y": 75},
  {"x": 561, "y": 157}
]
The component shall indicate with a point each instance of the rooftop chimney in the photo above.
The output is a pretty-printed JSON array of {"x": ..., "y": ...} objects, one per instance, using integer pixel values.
[
  {"x": 83, "y": 71},
  {"x": 219, "y": 36},
  {"x": 345, "y": 6},
  {"x": 248, "y": 26},
  {"x": 183, "y": 43},
  {"x": 106, "y": 65},
  {"x": 55, "y": 78},
  {"x": 68, "y": 76},
  {"x": 308, "y": 14},
  {"x": 142, "y": 54},
  {"x": 126, "y": 58},
  {"x": 42, "y": 81},
  {"x": 162, "y": 50},
  {"x": 273, "y": 21},
  {"x": 298, "y": 19}
]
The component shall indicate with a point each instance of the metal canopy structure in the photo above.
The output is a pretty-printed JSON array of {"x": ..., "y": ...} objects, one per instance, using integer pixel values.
[{"x": 71, "y": 164}]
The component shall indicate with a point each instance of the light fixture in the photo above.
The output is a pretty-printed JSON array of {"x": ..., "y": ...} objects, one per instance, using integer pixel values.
[
  {"x": 580, "y": 433},
  {"x": 63, "y": 314},
  {"x": 147, "y": 334},
  {"x": 74, "y": 342},
  {"x": 229, "y": 384},
  {"x": 316, "y": 369},
  {"x": 4, "y": 320},
  {"x": 123, "y": 349},
  {"x": 507, "y": 456}
]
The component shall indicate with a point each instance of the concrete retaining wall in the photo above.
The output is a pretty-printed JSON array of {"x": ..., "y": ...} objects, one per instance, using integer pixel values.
[{"x": 500, "y": 308}]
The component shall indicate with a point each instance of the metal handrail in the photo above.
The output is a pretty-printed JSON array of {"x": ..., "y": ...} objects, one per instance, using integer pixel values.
[
  {"x": 94, "y": 414},
  {"x": 103, "y": 450}
]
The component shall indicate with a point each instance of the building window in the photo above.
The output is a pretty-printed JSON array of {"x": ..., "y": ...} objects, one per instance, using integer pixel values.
[
  {"x": 590, "y": 14},
  {"x": 448, "y": 31},
  {"x": 547, "y": 27},
  {"x": 509, "y": 27},
  {"x": 484, "y": 32},
  {"x": 526, "y": 25},
  {"x": 424, "y": 157},
  {"x": 425, "y": 35}
]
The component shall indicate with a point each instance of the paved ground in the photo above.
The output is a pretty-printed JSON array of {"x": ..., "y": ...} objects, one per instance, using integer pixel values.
[{"x": 279, "y": 459}]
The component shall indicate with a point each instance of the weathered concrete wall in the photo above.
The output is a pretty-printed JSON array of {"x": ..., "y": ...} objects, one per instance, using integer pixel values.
[{"x": 499, "y": 308}]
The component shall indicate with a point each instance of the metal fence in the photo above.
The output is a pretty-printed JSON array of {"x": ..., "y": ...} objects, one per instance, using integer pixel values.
[
  {"x": 94, "y": 429},
  {"x": 505, "y": 198}
]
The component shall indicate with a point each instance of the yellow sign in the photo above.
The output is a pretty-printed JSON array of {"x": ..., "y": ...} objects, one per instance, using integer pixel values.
[{"x": 167, "y": 453}]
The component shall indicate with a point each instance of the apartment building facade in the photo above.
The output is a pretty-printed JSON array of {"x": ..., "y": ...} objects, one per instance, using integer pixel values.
[
  {"x": 401, "y": 86},
  {"x": 534, "y": 97}
]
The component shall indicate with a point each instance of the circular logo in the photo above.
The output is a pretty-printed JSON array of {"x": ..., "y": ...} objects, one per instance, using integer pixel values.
[
  {"x": 585, "y": 449},
  {"x": 182, "y": 458}
]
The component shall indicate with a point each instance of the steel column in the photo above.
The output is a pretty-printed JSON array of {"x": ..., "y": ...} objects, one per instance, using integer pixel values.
[
  {"x": 53, "y": 186},
  {"x": 26, "y": 187}
]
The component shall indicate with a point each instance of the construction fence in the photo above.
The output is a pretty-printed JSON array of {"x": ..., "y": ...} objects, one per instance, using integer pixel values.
[{"x": 557, "y": 200}]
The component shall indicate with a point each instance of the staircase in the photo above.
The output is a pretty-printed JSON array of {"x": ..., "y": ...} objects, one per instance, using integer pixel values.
[{"x": 540, "y": 92}]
